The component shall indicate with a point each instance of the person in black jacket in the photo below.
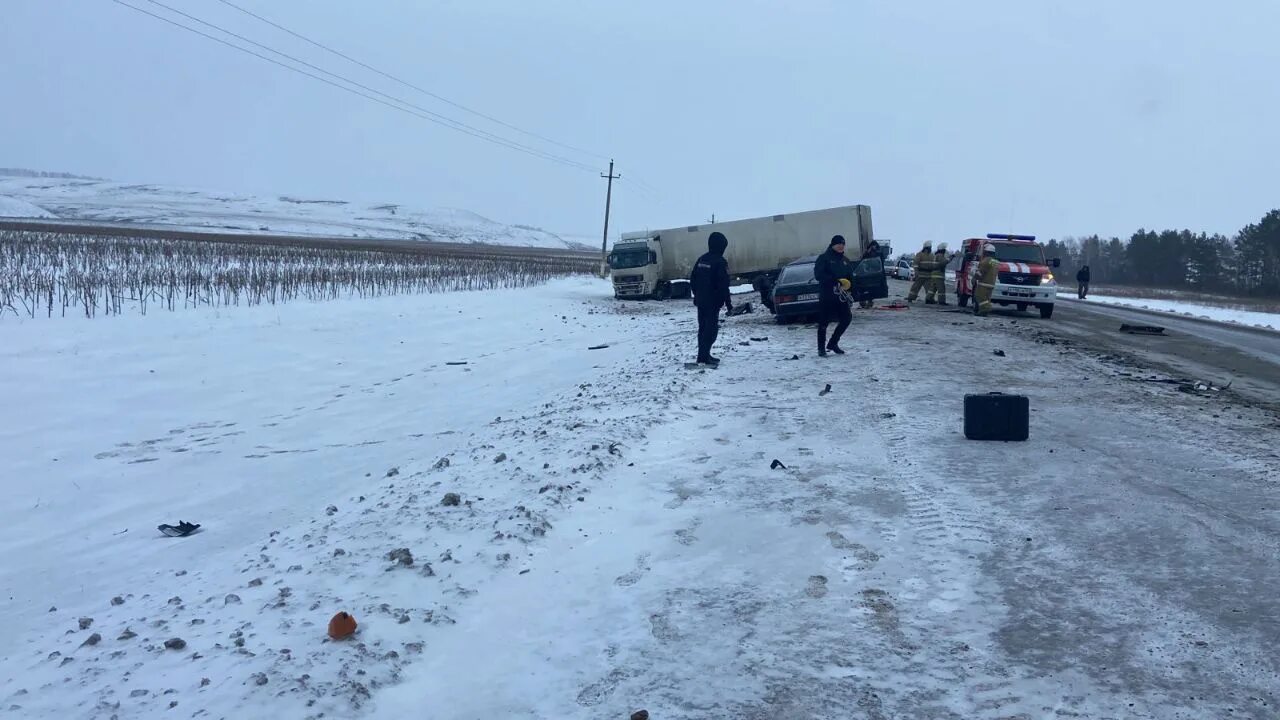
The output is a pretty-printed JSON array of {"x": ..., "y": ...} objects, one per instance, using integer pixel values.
[
  {"x": 709, "y": 282},
  {"x": 872, "y": 251},
  {"x": 830, "y": 269},
  {"x": 1082, "y": 282}
]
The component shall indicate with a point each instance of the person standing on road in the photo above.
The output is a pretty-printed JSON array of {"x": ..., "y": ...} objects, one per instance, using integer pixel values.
[
  {"x": 938, "y": 290},
  {"x": 833, "y": 271},
  {"x": 1082, "y": 282},
  {"x": 988, "y": 272},
  {"x": 924, "y": 272},
  {"x": 872, "y": 251},
  {"x": 709, "y": 282}
]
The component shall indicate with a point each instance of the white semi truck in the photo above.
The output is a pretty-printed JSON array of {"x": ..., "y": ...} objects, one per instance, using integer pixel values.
[{"x": 656, "y": 264}]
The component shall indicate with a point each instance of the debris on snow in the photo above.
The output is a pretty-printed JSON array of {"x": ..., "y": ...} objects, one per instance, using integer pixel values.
[
  {"x": 451, "y": 500},
  {"x": 777, "y": 465},
  {"x": 92, "y": 640},
  {"x": 175, "y": 644},
  {"x": 402, "y": 556},
  {"x": 1142, "y": 329},
  {"x": 824, "y": 390},
  {"x": 393, "y": 472},
  {"x": 85, "y": 622},
  {"x": 998, "y": 353},
  {"x": 342, "y": 625},
  {"x": 500, "y": 457}
]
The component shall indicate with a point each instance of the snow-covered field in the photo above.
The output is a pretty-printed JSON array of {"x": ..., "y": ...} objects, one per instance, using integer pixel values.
[
  {"x": 196, "y": 209},
  {"x": 1181, "y": 307},
  {"x": 619, "y": 539},
  {"x": 13, "y": 207}
]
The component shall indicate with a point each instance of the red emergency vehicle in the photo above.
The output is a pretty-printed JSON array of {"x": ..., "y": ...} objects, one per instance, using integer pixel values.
[{"x": 1024, "y": 278}]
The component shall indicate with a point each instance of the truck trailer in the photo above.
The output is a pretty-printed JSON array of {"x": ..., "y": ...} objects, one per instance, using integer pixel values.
[{"x": 656, "y": 264}]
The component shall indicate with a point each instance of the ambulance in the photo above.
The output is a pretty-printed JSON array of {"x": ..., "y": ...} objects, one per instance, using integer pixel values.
[{"x": 1025, "y": 277}]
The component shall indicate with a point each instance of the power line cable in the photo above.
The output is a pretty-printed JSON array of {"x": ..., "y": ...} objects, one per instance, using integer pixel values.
[
  {"x": 403, "y": 106},
  {"x": 410, "y": 85},
  {"x": 419, "y": 108}
]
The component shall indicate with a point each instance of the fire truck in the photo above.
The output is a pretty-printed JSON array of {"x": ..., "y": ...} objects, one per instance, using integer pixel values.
[{"x": 1024, "y": 278}]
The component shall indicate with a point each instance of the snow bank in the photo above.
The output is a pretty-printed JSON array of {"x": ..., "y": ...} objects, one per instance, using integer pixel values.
[
  {"x": 309, "y": 440},
  {"x": 1229, "y": 315},
  {"x": 196, "y": 209},
  {"x": 15, "y": 207}
]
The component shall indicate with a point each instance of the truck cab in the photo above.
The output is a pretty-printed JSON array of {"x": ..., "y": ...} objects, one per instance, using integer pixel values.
[
  {"x": 1024, "y": 279},
  {"x": 633, "y": 264}
]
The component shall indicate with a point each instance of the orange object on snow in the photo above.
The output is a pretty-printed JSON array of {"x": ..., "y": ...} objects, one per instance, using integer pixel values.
[{"x": 343, "y": 625}]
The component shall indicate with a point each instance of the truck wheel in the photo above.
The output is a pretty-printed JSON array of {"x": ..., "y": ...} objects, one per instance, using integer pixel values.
[
  {"x": 1022, "y": 307},
  {"x": 962, "y": 300},
  {"x": 662, "y": 291},
  {"x": 1046, "y": 311}
]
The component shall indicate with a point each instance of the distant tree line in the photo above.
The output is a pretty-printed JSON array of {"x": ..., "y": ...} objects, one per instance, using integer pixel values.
[
  {"x": 1246, "y": 264},
  {"x": 21, "y": 172}
]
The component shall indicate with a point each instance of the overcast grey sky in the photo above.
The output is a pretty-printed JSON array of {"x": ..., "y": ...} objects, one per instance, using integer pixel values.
[{"x": 1053, "y": 118}]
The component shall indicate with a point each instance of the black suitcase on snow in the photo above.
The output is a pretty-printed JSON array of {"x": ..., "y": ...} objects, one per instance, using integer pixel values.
[{"x": 996, "y": 416}]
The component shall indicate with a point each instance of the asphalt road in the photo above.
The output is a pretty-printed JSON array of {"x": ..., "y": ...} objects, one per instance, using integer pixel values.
[{"x": 1191, "y": 348}]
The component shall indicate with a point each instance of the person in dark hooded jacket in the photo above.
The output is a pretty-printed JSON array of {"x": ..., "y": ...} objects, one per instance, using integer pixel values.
[
  {"x": 832, "y": 270},
  {"x": 709, "y": 282},
  {"x": 872, "y": 252},
  {"x": 1082, "y": 282}
]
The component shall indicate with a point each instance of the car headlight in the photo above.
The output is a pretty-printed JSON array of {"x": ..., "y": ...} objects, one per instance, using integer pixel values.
[{"x": 1047, "y": 279}]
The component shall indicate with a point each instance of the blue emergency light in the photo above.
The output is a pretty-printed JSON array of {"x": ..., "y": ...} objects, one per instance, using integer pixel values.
[{"x": 998, "y": 236}]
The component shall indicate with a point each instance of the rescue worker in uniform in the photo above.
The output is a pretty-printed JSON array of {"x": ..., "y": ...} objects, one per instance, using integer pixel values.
[
  {"x": 988, "y": 272},
  {"x": 1082, "y": 282},
  {"x": 832, "y": 270},
  {"x": 872, "y": 251},
  {"x": 938, "y": 289},
  {"x": 709, "y": 282},
  {"x": 924, "y": 271}
]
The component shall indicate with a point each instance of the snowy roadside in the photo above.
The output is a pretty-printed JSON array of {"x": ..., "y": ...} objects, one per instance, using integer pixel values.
[
  {"x": 621, "y": 540},
  {"x": 1252, "y": 318},
  {"x": 310, "y": 440}
]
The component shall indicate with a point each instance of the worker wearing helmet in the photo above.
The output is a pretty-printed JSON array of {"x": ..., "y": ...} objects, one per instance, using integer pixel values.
[
  {"x": 834, "y": 274},
  {"x": 938, "y": 285},
  {"x": 988, "y": 271},
  {"x": 924, "y": 272}
]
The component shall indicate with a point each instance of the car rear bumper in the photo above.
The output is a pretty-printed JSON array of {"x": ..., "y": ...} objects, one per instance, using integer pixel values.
[{"x": 796, "y": 308}]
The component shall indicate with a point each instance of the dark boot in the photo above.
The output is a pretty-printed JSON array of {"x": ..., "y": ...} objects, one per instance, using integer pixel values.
[
  {"x": 822, "y": 341},
  {"x": 833, "y": 347}
]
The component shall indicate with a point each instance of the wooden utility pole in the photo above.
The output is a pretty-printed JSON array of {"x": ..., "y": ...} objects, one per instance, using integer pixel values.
[{"x": 604, "y": 242}]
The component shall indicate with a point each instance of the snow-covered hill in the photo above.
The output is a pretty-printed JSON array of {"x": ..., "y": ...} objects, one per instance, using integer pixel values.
[{"x": 188, "y": 208}]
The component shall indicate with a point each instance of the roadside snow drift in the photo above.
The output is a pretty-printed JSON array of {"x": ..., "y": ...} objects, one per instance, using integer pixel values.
[
  {"x": 524, "y": 527},
  {"x": 194, "y": 209},
  {"x": 1181, "y": 307}
]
